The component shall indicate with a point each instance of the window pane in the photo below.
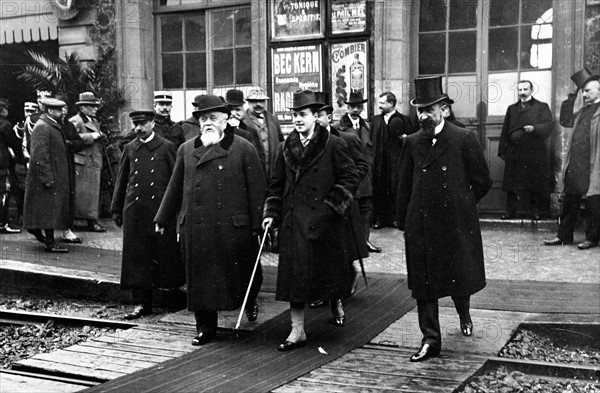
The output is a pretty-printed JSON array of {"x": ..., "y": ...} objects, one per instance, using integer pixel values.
[
  {"x": 432, "y": 15},
  {"x": 461, "y": 51},
  {"x": 223, "y": 67},
  {"x": 504, "y": 12},
  {"x": 243, "y": 27},
  {"x": 503, "y": 45},
  {"x": 536, "y": 46},
  {"x": 195, "y": 70},
  {"x": 537, "y": 11},
  {"x": 243, "y": 66},
  {"x": 170, "y": 32},
  {"x": 432, "y": 53},
  {"x": 172, "y": 71},
  {"x": 222, "y": 29},
  {"x": 542, "y": 84},
  {"x": 463, "y": 14},
  {"x": 500, "y": 92},
  {"x": 463, "y": 90},
  {"x": 195, "y": 33}
]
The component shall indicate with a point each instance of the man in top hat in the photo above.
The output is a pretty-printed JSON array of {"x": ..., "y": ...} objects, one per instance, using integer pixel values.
[
  {"x": 148, "y": 258},
  {"x": 216, "y": 194},
  {"x": 234, "y": 99},
  {"x": 265, "y": 125},
  {"x": 389, "y": 129},
  {"x": 8, "y": 143},
  {"x": 48, "y": 189},
  {"x": 353, "y": 123},
  {"x": 88, "y": 162},
  {"x": 580, "y": 175},
  {"x": 313, "y": 179},
  {"x": 527, "y": 125},
  {"x": 164, "y": 126},
  {"x": 443, "y": 174}
]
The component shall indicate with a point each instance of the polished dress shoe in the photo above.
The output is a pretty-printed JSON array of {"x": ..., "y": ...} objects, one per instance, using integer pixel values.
[
  {"x": 95, "y": 227},
  {"x": 138, "y": 312},
  {"x": 373, "y": 248},
  {"x": 557, "y": 241},
  {"x": 55, "y": 248},
  {"x": 586, "y": 244},
  {"x": 317, "y": 303},
  {"x": 38, "y": 235},
  {"x": 426, "y": 352},
  {"x": 289, "y": 345},
  {"x": 6, "y": 228},
  {"x": 74, "y": 240},
  {"x": 376, "y": 225},
  {"x": 466, "y": 325},
  {"x": 203, "y": 338},
  {"x": 337, "y": 313},
  {"x": 508, "y": 216},
  {"x": 252, "y": 312}
]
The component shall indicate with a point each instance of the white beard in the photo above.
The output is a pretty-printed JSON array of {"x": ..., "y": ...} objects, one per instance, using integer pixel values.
[{"x": 210, "y": 138}]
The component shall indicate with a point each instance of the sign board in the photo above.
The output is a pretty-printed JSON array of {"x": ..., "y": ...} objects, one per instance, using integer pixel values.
[
  {"x": 349, "y": 73},
  {"x": 348, "y": 16},
  {"x": 296, "y": 19}
]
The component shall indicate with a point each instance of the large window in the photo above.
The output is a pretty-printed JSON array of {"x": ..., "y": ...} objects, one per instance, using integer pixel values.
[{"x": 483, "y": 47}]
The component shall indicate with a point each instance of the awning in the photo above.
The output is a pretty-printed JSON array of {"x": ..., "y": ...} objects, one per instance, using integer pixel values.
[{"x": 28, "y": 28}]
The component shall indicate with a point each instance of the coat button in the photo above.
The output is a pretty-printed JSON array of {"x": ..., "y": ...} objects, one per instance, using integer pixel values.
[
  {"x": 136, "y": 198},
  {"x": 219, "y": 205},
  {"x": 445, "y": 185},
  {"x": 136, "y": 184},
  {"x": 424, "y": 170},
  {"x": 135, "y": 173},
  {"x": 152, "y": 171},
  {"x": 151, "y": 184},
  {"x": 444, "y": 168},
  {"x": 152, "y": 197},
  {"x": 152, "y": 159},
  {"x": 136, "y": 160}
]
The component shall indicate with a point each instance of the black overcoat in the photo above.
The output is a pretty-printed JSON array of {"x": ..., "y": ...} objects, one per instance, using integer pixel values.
[
  {"x": 220, "y": 191},
  {"x": 526, "y": 160},
  {"x": 439, "y": 188},
  {"x": 310, "y": 190},
  {"x": 365, "y": 187},
  {"x": 143, "y": 176}
]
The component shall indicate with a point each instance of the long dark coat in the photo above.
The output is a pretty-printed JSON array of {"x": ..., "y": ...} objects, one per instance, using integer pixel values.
[
  {"x": 168, "y": 129},
  {"x": 275, "y": 137},
  {"x": 527, "y": 165},
  {"x": 220, "y": 191},
  {"x": 144, "y": 174},
  {"x": 309, "y": 192},
  {"x": 47, "y": 207},
  {"x": 365, "y": 188},
  {"x": 439, "y": 188},
  {"x": 190, "y": 127}
]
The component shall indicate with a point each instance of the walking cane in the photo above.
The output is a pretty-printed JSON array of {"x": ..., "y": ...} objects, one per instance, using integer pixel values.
[
  {"x": 360, "y": 261},
  {"x": 262, "y": 243}
]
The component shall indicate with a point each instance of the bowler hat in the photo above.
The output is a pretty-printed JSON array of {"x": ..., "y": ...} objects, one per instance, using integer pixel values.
[
  {"x": 304, "y": 99},
  {"x": 50, "y": 102},
  {"x": 30, "y": 106},
  {"x": 87, "y": 98},
  {"x": 209, "y": 103},
  {"x": 323, "y": 99},
  {"x": 428, "y": 91},
  {"x": 234, "y": 97},
  {"x": 141, "y": 115},
  {"x": 355, "y": 99},
  {"x": 257, "y": 94},
  {"x": 4, "y": 103},
  {"x": 163, "y": 96},
  {"x": 582, "y": 77}
]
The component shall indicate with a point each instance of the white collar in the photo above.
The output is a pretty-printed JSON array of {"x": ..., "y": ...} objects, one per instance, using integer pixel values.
[
  {"x": 149, "y": 138},
  {"x": 439, "y": 127},
  {"x": 307, "y": 138}
]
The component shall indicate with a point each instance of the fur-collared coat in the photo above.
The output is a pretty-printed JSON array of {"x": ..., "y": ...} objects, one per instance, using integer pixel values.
[
  {"x": 219, "y": 192},
  {"x": 438, "y": 192},
  {"x": 48, "y": 185},
  {"x": 144, "y": 174},
  {"x": 309, "y": 192}
]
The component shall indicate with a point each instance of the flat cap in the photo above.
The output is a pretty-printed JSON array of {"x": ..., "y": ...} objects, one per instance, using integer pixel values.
[{"x": 141, "y": 115}]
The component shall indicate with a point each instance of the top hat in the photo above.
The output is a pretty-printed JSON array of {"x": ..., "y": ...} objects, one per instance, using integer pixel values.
[
  {"x": 323, "y": 99},
  {"x": 234, "y": 97},
  {"x": 209, "y": 103},
  {"x": 87, "y": 98},
  {"x": 30, "y": 106},
  {"x": 582, "y": 77},
  {"x": 141, "y": 115},
  {"x": 43, "y": 93},
  {"x": 4, "y": 103},
  {"x": 428, "y": 91},
  {"x": 304, "y": 99},
  {"x": 50, "y": 102},
  {"x": 163, "y": 96},
  {"x": 257, "y": 94},
  {"x": 355, "y": 99}
]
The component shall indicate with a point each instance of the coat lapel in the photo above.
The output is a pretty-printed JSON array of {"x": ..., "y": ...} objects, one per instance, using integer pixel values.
[{"x": 441, "y": 145}]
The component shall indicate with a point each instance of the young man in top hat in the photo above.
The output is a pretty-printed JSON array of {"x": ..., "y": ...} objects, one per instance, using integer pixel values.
[
  {"x": 8, "y": 143},
  {"x": 312, "y": 182},
  {"x": 216, "y": 194},
  {"x": 580, "y": 175},
  {"x": 443, "y": 174},
  {"x": 164, "y": 126}
]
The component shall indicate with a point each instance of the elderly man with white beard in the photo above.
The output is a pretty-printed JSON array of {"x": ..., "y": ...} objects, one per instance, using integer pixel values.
[{"x": 218, "y": 188}]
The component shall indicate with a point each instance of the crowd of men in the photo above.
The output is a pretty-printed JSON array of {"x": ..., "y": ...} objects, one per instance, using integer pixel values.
[{"x": 195, "y": 197}]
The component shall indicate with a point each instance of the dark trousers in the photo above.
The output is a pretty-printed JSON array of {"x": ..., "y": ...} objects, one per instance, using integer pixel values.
[
  {"x": 143, "y": 296},
  {"x": 512, "y": 202},
  {"x": 384, "y": 205},
  {"x": 206, "y": 321},
  {"x": 568, "y": 217},
  {"x": 365, "y": 205},
  {"x": 429, "y": 321}
]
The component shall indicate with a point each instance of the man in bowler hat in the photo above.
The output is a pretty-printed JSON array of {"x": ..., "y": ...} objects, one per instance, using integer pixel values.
[
  {"x": 580, "y": 174},
  {"x": 443, "y": 174}
]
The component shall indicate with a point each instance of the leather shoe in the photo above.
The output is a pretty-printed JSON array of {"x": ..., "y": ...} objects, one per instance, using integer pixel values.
[
  {"x": 95, "y": 227},
  {"x": 466, "y": 325},
  {"x": 508, "y": 216},
  {"x": 6, "y": 228},
  {"x": 252, "y": 312},
  {"x": 557, "y": 241},
  {"x": 138, "y": 312},
  {"x": 376, "y": 225},
  {"x": 38, "y": 235},
  {"x": 426, "y": 352},
  {"x": 75, "y": 240},
  {"x": 586, "y": 244},
  {"x": 373, "y": 248},
  {"x": 317, "y": 303},
  {"x": 55, "y": 248},
  {"x": 202, "y": 338},
  {"x": 289, "y": 345}
]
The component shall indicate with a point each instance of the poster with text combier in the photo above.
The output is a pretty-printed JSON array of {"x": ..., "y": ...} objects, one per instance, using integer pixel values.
[
  {"x": 349, "y": 73},
  {"x": 294, "y": 68}
]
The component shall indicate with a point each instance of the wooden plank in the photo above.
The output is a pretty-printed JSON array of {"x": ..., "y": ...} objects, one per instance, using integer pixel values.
[
  {"x": 127, "y": 348},
  {"x": 115, "y": 353},
  {"x": 70, "y": 369},
  {"x": 95, "y": 361},
  {"x": 18, "y": 383},
  {"x": 160, "y": 346}
]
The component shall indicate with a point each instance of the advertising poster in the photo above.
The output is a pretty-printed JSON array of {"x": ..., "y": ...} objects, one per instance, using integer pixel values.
[
  {"x": 348, "y": 16},
  {"x": 296, "y": 67},
  {"x": 349, "y": 72},
  {"x": 296, "y": 19}
]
